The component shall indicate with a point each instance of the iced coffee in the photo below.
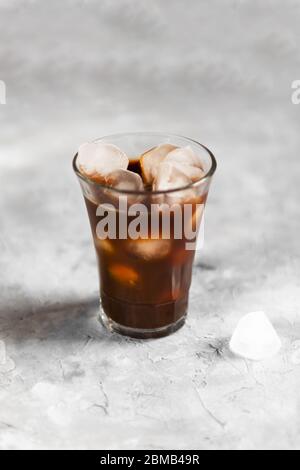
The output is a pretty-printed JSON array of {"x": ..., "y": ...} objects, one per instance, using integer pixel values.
[{"x": 145, "y": 198}]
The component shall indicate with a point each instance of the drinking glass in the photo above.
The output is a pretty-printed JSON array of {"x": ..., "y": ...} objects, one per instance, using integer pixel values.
[{"x": 145, "y": 275}]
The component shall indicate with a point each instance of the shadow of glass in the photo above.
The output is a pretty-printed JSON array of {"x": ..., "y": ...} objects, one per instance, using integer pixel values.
[{"x": 63, "y": 320}]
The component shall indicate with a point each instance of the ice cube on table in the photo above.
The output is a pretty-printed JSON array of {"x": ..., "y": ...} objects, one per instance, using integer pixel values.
[
  {"x": 150, "y": 248},
  {"x": 97, "y": 159},
  {"x": 255, "y": 337},
  {"x": 151, "y": 159}
]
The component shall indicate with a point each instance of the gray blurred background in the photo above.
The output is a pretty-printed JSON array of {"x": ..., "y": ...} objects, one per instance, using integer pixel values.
[{"x": 217, "y": 71}]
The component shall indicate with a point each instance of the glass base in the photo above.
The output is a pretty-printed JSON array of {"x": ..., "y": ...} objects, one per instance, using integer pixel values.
[{"x": 138, "y": 333}]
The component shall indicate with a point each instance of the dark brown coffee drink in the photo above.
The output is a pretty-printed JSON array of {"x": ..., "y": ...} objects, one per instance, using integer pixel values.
[{"x": 144, "y": 283}]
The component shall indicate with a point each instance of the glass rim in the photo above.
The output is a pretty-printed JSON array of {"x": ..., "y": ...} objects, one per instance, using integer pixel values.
[{"x": 191, "y": 185}]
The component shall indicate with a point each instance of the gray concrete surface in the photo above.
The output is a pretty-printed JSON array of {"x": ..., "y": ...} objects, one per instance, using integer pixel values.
[{"x": 220, "y": 72}]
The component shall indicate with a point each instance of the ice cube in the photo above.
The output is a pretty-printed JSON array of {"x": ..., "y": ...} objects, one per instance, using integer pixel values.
[
  {"x": 125, "y": 180},
  {"x": 105, "y": 245},
  {"x": 192, "y": 172},
  {"x": 151, "y": 159},
  {"x": 150, "y": 248},
  {"x": 255, "y": 337},
  {"x": 96, "y": 159},
  {"x": 185, "y": 155},
  {"x": 185, "y": 159},
  {"x": 169, "y": 177},
  {"x": 124, "y": 274}
]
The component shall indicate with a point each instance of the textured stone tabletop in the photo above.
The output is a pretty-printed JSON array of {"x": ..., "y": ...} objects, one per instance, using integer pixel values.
[{"x": 222, "y": 75}]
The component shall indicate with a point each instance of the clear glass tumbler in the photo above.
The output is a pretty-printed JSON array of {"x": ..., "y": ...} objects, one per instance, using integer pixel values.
[{"x": 145, "y": 275}]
